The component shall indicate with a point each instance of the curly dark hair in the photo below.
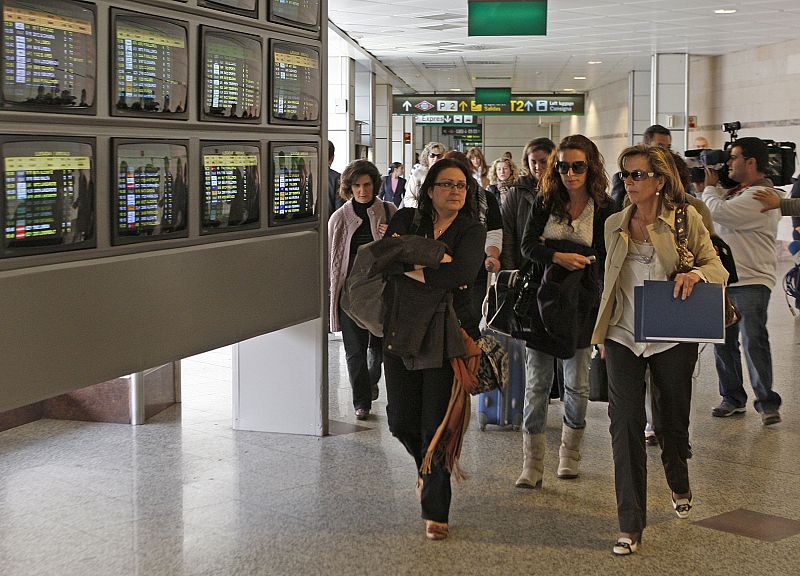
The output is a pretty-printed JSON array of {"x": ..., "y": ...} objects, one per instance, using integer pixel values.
[
  {"x": 426, "y": 202},
  {"x": 356, "y": 170},
  {"x": 551, "y": 188}
]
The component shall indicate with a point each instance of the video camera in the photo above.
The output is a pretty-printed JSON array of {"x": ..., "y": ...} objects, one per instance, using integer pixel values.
[{"x": 780, "y": 167}]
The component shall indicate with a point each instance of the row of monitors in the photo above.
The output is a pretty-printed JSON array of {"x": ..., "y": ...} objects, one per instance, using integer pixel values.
[
  {"x": 49, "y": 64},
  {"x": 302, "y": 13},
  {"x": 49, "y": 189}
]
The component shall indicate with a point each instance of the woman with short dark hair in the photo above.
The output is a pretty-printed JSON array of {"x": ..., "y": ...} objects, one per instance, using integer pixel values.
[
  {"x": 393, "y": 185},
  {"x": 361, "y": 219}
]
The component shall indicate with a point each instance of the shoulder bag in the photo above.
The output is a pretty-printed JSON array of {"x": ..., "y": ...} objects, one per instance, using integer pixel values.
[{"x": 732, "y": 314}]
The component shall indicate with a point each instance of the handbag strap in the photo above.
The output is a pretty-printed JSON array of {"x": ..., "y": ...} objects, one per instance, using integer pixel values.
[{"x": 681, "y": 238}]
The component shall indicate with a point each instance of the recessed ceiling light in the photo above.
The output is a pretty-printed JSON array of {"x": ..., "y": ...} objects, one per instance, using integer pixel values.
[
  {"x": 595, "y": 62},
  {"x": 455, "y": 89},
  {"x": 725, "y": 11},
  {"x": 568, "y": 89},
  {"x": 579, "y": 77}
]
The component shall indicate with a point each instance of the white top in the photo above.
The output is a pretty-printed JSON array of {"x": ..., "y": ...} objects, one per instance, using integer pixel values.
[
  {"x": 640, "y": 264},
  {"x": 579, "y": 231},
  {"x": 750, "y": 233}
]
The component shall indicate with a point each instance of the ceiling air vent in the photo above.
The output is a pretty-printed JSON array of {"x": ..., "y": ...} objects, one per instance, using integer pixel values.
[
  {"x": 491, "y": 77},
  {"x": 438, "y": 65}
]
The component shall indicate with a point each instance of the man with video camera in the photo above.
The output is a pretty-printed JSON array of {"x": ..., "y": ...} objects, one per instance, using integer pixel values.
[{"x": 751, "y": 235}]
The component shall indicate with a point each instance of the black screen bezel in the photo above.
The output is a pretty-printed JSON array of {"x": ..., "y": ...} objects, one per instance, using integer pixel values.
[
  {"x": 91, "y": 241},
  {"x": 114, "y": 111},
  {"x": 211, "y": 4},
  {"x": 203, "y": 115},
  {"x": 273, "y": 146},
  {"x": 288, "y": 22},
  {"x": 252, "y": 225},
  {"x": 278, "y": 120},
  {"x": 86, "y": 111},
  {"x": 116, "y": 239}
]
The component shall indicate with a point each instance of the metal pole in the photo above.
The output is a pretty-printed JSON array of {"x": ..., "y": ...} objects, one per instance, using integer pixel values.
[{"x": 137, "y": 398}]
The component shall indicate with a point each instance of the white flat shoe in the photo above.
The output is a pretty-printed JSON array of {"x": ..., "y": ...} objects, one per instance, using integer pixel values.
[
  {"x": 625, "y": 546},
  {"x": 682, "y": 506}
]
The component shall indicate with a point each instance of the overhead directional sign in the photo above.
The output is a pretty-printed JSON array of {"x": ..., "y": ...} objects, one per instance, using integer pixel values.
[
  {"x": 519, "y": 105},
  {"x": 445, "y": 119}
]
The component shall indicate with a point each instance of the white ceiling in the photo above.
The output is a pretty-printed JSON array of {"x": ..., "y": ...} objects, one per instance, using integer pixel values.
[{"x": 426, "y": 44}]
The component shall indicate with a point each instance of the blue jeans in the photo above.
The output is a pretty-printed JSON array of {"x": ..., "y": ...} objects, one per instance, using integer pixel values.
[
  {"x": 752, "y": 302},
  {"x": 538, "y": 381}
]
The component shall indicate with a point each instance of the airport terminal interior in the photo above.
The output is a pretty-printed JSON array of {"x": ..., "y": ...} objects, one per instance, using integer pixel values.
[{"x": 171, "y": 399}]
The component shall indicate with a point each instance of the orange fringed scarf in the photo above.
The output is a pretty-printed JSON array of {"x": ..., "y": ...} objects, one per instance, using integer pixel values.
[{"x": 449, "y": 435}]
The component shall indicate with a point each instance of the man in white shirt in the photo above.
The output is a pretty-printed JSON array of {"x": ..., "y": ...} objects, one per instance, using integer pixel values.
[{"x": 751, "y": 236}]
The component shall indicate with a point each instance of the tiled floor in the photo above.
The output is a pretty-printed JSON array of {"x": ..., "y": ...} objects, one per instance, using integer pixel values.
[{"x": 185, "y": 494}]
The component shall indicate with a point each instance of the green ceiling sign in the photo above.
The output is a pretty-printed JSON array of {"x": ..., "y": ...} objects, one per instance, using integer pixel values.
[
  {"x": 492, "y": 95},
  {"x": 507, "y": 18}
]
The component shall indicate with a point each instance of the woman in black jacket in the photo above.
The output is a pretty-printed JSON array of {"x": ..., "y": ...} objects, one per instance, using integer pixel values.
[
  {"x": 418, "y": 398},
  {"x": 393, "y": 185},
  {"x": 571, "y": 209}
]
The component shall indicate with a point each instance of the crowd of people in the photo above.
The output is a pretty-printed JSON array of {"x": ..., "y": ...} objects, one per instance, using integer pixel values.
[{"x": 560, "y": 220}]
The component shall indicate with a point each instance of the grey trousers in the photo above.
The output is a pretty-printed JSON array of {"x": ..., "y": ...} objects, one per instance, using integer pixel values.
[{"x": 671, "y": 380}]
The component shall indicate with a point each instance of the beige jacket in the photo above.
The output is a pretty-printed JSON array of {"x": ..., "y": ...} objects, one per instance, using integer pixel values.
[{"x": 703, "y": 257}]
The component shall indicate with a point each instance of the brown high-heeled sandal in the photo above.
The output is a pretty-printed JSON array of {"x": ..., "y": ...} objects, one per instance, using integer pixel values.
[{"x": 436, "y": 530}]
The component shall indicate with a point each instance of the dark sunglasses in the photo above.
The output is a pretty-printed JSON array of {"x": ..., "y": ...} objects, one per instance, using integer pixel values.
[
  {"x": 636, "y": 175},
  {"x": 578, "y": 167},
  {"x": 434, "y": 155}
]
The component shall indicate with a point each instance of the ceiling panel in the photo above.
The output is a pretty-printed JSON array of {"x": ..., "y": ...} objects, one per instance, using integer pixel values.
[{"x": 403, "y": 34}]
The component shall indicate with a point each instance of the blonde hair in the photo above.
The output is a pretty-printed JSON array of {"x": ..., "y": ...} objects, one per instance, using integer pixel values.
[
  {"x": 476, "y": 153},
  {"x": 511, "y": 166},
  {"x": 663, "y": 164},
  {"x": 430, "y": 147}
]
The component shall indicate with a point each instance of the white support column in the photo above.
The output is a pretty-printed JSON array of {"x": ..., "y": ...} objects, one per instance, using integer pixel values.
[
  {"x": 639, "y": 101},
  {"x": 277, "y": 381},
  {"x": 383, "y": 127},
  {"x": 341, "y": 109},
  {"x": 670, "y": 96}
]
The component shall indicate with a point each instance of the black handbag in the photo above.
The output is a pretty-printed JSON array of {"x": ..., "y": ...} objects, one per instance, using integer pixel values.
[
  {"x": 498, "y": 307},
  {"x": 598, "y": 378}
]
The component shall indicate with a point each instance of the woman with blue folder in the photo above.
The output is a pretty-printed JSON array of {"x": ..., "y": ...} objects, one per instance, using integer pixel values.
[{"x": 641, "y": 245}]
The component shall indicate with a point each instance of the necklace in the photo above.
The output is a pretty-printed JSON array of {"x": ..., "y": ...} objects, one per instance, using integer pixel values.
[
  {"x": 643, "y": 230},
  {"x": 639, "y": 249}
]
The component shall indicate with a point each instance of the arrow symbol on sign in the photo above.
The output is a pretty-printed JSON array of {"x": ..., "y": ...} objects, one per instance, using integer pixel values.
[
  {"x": 462, "y": 105},
  {"x": 447, "y": 118},
  {"x": 406, "y": 105},
  {"x": 528, "y": 106}
]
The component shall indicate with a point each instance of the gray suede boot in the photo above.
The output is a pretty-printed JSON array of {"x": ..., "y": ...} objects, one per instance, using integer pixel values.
[
  {"x": 569, "y": 454},
  {"x": 532, "y": 465}
]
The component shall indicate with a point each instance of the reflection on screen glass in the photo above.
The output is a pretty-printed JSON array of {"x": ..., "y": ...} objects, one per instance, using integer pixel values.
[
  {"x": 232, "y": 83},
  {"x": 48, "y": 54},
  {"x": 296, "y": 86},
  {"x": 294, "y": 193},
  {"x": 151, "y": 189},
  {"x": 150, "y": 65},
  {"x": 246, "y": 7},
  {"x": 231, "y": 186},
  {"x": 303, "y": 12},
  {"x": 49, "y": 194}
]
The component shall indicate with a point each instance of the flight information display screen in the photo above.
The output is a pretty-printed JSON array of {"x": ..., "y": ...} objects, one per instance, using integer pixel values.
[
  {"x": 244, "y": 7},
  {"x": 296, "y": 83},
  {"x": 48, "y": 196},
  {"x": 231, "y": 186},
  {"x": 151, "y": 73},
  {"x": 48, "y": 55},
  {"x": 151, "y": 190},
  {"x": 303, "y": 13},
  {"x": 293, "y": 194},
  {"x": 232, "y": 77}
]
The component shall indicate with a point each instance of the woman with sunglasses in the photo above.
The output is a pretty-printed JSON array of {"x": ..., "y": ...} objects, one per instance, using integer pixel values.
[
  {"x": 641, "y": 245},
  {"x": 431, "y": 154},
  {"x": 418, "y": 398},
  {"x": 565, "y": 229}
]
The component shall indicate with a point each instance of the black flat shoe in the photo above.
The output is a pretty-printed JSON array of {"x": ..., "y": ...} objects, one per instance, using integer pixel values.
[{"x": 362, "y": 414}]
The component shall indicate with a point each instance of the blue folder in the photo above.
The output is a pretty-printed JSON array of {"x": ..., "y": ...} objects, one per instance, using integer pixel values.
[{"x": 658, "y": 317}]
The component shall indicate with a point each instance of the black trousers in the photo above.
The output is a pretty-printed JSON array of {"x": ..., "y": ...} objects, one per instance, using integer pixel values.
[
  {"x": 364, "y": 354},
  {"x": 671, "y": 378},
  {"x": 417, "y": 403}
]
